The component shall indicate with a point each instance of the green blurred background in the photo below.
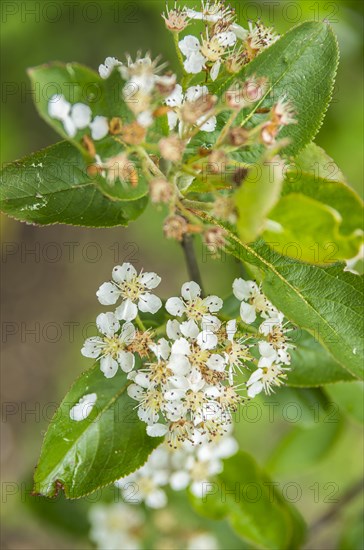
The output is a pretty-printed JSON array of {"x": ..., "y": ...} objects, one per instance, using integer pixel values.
[{"x": 50, "y": 275}]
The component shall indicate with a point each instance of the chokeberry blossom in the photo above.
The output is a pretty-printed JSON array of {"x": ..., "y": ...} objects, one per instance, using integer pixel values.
[
  {"x": 206, "y": 121},
  {"x": 133, "y": 289},
  {"x": 112, "y": 348}
]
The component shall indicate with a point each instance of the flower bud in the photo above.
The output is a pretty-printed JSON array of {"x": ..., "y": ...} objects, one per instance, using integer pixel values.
[
  {"x": 160, "y": 190},
  {"x": 172, "y": 148},
  {"x": 238, "y": 136},
  {"x": 133, "y": 133},
  {"x": 175, "y": 227}
]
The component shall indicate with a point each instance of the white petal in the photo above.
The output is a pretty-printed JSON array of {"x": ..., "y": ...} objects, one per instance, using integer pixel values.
[
  {"x": 265, "y": 362},
  {"x": 227, "y": 38},
  {"x": 174, "y": 395},
  {"x": 107, "y": 324},
  {"x": 181, "y": 346},
  {"x": 126, "y": 360},
  {"x": 247, "y": 313},
  {"x": 231, "y": 329},
  {"x": 209, "y": 125},
  {"x": 175, "y": 99},
  {"x": 107, "y": 294},
  {"x": 267, "y": 350},
  {"x": 179, "y": 480},
  {"x": 254, "y": 389},
  {"x": 213, "y": 303},
  {"x": 69, "y": 126},
  {"x": 150, "y": 280},
  {"x": 210, "y": 323},
  {"x": 198, "y": 488},
  {"x": 92, "y": 347},
  {"x": 194, "y": 93},
  {"x": 99, "y": 127},
  {"x": 142, "y": 379},
  {"x": 108, "y": 366},
  {"x": 157, "y": 499},
  {"x": 173, "y": 118},
  {"x": 58, "y": 107},
  {"x": 190, "y": 290},
  {"x": 135, "y": 392},
  {"x": 189, "y": 45},
  {"x": 194, "y": 63},
  {"x": 125, "y": 272},
  {"x": 216, "y": 362},
  {"x": 179, "y": 364},
  {"x": 173, "y": 329},
  {"x": 257, "y": 375},
  {"x": 239, "y": 31},
  {"x": 145, "y": 119},
  {"x": 215, "y": 69},
  {"x": 161, "y": 349},
  {"x": 127, "y": 311},
  {"x": 190, "y": 329},
  {"x": 227, "y": 447},
  {"x": 207, "y": 340},
  {"x": 81, "y": 115},
  {"x": 244, "y": 289},
  {"x": 157, "y": 430},
  {"x": 128, "y": 333},
  {"x": 149, "y": 303},
  {"x": 175, "y": 306},
  {"x": 83, "y": 408}
]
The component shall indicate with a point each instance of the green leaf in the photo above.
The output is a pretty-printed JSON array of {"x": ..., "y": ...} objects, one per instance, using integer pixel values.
[
  {"x": 248, "y": 499},
  {"x": 256, "y": 197},
  {"x": 312, "y": 365},
  {"x": 349, "y": 397},
  {"x": 319, "y": 220},
  {"x": 83, "y": 456},
  {"x": 353, "y": 533},
  {"x": 52, "y": 186},
  {"x": 314, "y": 160},
  {"x": 304, "y": 447},
  {"x": 325, "y": 301},
  {"x": 301, "y": 66}
]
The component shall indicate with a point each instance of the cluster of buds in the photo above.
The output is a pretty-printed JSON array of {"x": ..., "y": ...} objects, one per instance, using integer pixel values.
[{"x": 186, "y": 383}]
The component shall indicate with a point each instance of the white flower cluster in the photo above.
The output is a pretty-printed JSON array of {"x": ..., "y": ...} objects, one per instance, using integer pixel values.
[
  {"x": 186, "y": 386},
  {"x": 224, "y": 42},
  {"x": 119, "y": 526},
  {"x": 116, "y": 526},
  {"x": 77, "y": 117},
  {"x": 188, "y": 467}
]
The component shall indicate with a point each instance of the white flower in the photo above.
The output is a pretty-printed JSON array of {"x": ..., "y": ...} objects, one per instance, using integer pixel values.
[
  {"x": 253, "y": 301},
  {"x": 265, "y": 378},
  {"x": 115, "y": 526},
  {"x": 108, "y": 66},
  {"x": 99, "y": 127},
  {"x": 133, "y": 290},
  {"x": 83, "y": 408},
  {"x": 194, "y": 307},
  {"x": 270, "y": 354},
  {"x": 148, "y": 481},
  {"x": 176, "y": 99},
  {"x": 237, "y": 352},
  {"x": 110, "y": 348}
]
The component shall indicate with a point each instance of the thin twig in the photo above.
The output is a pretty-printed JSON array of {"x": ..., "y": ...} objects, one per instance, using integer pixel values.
[
  {"x": 191, "y": 261},
  {"x": 336, "y": 509}
]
